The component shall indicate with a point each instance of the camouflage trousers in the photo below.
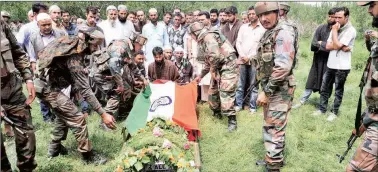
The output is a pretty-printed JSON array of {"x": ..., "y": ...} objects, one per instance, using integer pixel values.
[
  {"x": 222, "y": 93},
  {"x": 67, "y": 116},
  {"x": 366, "y": 156},
  {"x": 13, "y": 102},
  {"x": 275, "y": 120}
]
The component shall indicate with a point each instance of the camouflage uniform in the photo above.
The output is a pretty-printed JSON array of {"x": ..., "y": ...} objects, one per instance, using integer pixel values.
[
  {"x": 220, "y": 61},
  {"x": 13, "y": 57},
  {"x": 61, "y": 65},
  {"x": 274, "y": 62},
  {"x": 366, "y": 155}
]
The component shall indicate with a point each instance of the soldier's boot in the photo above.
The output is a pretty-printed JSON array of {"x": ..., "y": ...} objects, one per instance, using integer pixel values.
[
  {"x": 268, "y": 168},
  {"x": 56, "y": 149},
  {"x": 232, "y": 124},
  {"x": 93, "y": 157}
]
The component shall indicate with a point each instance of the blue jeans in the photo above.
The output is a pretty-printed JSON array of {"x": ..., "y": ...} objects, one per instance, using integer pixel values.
[
  {"x": 332, "y": 76},
  {"x": 246, "y": 72},
  {"x": 45, "y": 110},
  {"x": 306, "y": 95}
]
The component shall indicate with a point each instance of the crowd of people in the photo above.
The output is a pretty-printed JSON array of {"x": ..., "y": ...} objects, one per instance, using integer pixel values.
[{"x": 76, "y": 65}]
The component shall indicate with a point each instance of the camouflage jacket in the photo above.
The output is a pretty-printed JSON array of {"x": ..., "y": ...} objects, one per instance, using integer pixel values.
[
  {"x": 217, "y": 49},
  {"x": 371, "y": 86},
  {"x": 13, "y": 57},
  {"x": 276, "y": 57},
  {"x": 61, "y": 64}
]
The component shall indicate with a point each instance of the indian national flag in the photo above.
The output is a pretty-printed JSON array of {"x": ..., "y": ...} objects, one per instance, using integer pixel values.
[{"x": 166, "y": 100}]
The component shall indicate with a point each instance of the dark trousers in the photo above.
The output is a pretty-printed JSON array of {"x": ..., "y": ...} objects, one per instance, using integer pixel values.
[{"x": 330, "y": 77}]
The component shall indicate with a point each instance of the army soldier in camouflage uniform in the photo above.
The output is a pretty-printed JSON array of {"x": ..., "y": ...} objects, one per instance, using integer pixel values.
[
  {"x": 14, "y": 102},
  {"x": 274, "y": 62},
  {"x": 220, "y": 61},
  {"x": 61, "y": 65},
  {"x": 366, "y": 156}
]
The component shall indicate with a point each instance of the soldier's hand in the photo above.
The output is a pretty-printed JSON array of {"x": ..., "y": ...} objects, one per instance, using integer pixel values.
[
  {"x": 374, "y": 34},
  {"x": 145, "y": 83},
  {"x": 119, "y": 90},
  {"x": 198, "y": 79},
  {"x": 346, "y": 48},
  {"x": 33, "y": 67},
  {"x": 109, "y": 120},
  {"x": 262, "y": 99},
  {"x": 245, "y": 59},
  {"x": 31, "y": 92},
  {"x": 361, "y": 130}
]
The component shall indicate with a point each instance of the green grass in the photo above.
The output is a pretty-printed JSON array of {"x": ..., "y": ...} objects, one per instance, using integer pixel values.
[{"x": 311, "y": 142}]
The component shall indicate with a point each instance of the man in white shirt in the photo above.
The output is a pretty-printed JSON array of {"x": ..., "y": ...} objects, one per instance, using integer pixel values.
[
  {"x": 340, "y": 43},
  {"x": 128, "y": 26},
  {"x": 112, "y": 27},
  {"x": 246, "y": 44}
]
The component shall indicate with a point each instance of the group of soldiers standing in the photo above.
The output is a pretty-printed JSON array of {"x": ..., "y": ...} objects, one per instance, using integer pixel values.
[{"x": 111, "y": 75}]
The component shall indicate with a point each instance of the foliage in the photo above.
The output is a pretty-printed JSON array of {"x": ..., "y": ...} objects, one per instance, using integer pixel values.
[{"x": 159, "y": 141}]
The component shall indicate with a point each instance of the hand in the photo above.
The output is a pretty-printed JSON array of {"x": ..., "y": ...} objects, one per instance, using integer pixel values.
[
  {"x": 85, "y": 114},
  {"x": 367, "y": 36},
  {"x": 262, "y": 99},
  {"x": 346, "y": 48},
  {"x": 119, "y": 90},
  {"x": 145, "y": 83},
  {"x": 361, "y": 130},
  {"x": 336, "y": 26},
  {"x": 108, "y": 77},
  {"x": 374, "y": 34},
  {"x": 31, "y": 92},
  {"x": 109, "y": 120},
  {"x": 198, "y": 79},
  {"x": 2, "y": 114},
  {"x": 245, "y": 59}
]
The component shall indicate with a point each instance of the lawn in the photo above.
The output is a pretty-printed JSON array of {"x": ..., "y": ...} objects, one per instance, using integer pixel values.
[{"x": 311, "y": 142}]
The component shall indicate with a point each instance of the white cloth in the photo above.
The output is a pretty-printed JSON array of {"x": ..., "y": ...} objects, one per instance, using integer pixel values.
[
  {"x": 338, "y": 59},
  {"x": 248, "y": 39},
  {"x": 112, "y": 33},
  {"x": 128, "y": 29},
  {"x": 156, "y": 37}
]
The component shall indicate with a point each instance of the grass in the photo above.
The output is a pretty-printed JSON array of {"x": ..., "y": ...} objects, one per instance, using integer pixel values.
[{"x": 311, "y": 142}]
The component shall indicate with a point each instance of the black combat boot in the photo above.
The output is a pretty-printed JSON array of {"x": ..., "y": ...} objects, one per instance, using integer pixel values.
[
  {"x": 269, "y": 168},
  {"x": 93, "y": 158},
  {"x": 56, "y": 149},
  {"x": 232, "y": 124}
]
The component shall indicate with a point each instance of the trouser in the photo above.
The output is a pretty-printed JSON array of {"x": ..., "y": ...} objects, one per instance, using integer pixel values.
[
  {"x": 332, "y": 76},
  {"x": 13, "y": 102},
  {"x": 222, "y": 93},
  {"x": 45, "y": 110},
  {"x": 306, "y": 95},
  {"x": 247, "y": 73},
  {"x": 366, "y": 156},
  {"x": 67, "y": 116},
  {"x": 275, "y": 120}
]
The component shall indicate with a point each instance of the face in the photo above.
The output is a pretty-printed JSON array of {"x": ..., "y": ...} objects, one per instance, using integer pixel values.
[
  {"x": 6, "y": 19},
  {"x": 179, "y": 55},
  {"x": 131, "y": 17},
  {"x": 222, "y": 17},
  {"x": 245, "y": 18},
  {"x": 140, "y": 15},
  {"x": 158, "y": 57},
  {"x": 91, "y": 18},
  {"x": 189, "y": 19},
  {"x": 168, "y": 54},
  {"x": 183, "y": 19},
  {"x": 373, "y": 9},
  {"x": 153, "y": 17},
  {"x": 139, "y": 59},
  {"x": 66, "y": 17},
  {"x": 55, "y": 14},
  {"x": 112, "y": 14},
  {"x": 122, "y": 15},
  {"x": 45, "y": 26},
  {"x": 30, "y": 17},
  {"x": 269, "y": 19},
  {"x": 331, "y": 19},
  {"x": 177, "y": 21},
  {"x": 203, "y": 20},
  {"x": 231, "y": 18},
  {"x": 213, "y": 17},
  {"x": 252, "y": 17},
  {"x": 340, "y": 18},
  {"x": 195, "y": 15},
  {"x": 167, "y": 18}
]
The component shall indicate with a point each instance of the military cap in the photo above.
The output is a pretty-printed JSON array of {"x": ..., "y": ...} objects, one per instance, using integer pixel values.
[
  {"x": 364, "y": 3},
  {"x": 91, "y": 31},
  {"x": 140, "y": 39},
  {"x": 196, "y": 26},
  {"x": 285, "y": 6},
  {"x": 262, "y": 7},
  {"x": 231, "y": 10},
  {"x": 5, "y": 14}
]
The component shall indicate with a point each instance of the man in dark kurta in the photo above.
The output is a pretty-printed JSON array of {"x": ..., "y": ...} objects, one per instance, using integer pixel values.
[
  {"x": 319, "y": 62},
  {"x": 162, "y": 69}
]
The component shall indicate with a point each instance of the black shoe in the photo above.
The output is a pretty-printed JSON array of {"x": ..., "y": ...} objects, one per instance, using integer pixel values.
[
  {"x": 93, "y": 158},
  {"x": 218, "y": 115},
  {"x": 61, "y": 150},
  {"x": 267, "y": 168},
  {"x": 232, "y": 124}
]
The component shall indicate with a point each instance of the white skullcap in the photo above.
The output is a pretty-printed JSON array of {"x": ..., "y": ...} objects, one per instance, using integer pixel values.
[
  {"x": 152, "y": 10},
  {"x": 167, "y": 47},
  {"x": 43, "y": 16},
  {"x": 111, "y": 7},
  {"x": 122, "y": 7},
  {"x": 53, "y": 7},
  {"x": 179, "y": 49},
  {"x": 30, "y": 12}
]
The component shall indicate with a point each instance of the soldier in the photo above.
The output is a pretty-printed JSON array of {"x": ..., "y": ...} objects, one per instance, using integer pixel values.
[
  {"x": 220, "y": 61},
  {"x": 366, "y": 155},
  {"x": 274, "y": 62},
  {"x": 284, "y": 9},
  {"x": 61, "y": 64},
  {"x": 14, "y": 102}
]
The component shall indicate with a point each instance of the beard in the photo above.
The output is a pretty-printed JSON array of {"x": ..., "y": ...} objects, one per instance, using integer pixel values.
[
  {"x": 374, "y": 23},
  {"x": 122, "y": 19},
  {"x": 331, "y": 23},
  {"x": 112, "y": 22}
]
